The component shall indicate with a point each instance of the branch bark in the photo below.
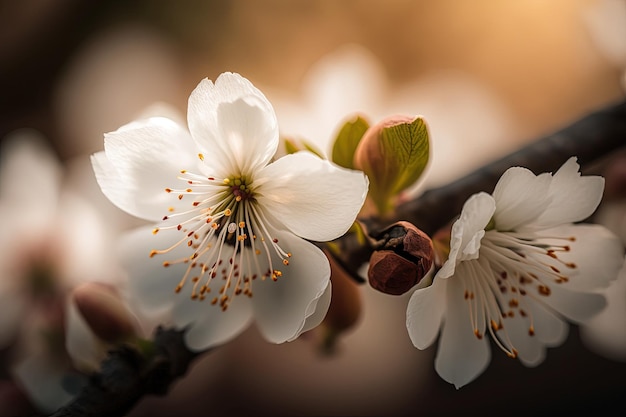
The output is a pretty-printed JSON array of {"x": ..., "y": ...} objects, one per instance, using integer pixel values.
[
  {"x": 589, "y": 138},
  {"x": 128, "y": 374}
]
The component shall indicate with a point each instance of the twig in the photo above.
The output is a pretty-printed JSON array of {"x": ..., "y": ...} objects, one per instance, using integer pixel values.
[
  {"x": 128, "y": 374},
  {"x": 590, "y": 139}
]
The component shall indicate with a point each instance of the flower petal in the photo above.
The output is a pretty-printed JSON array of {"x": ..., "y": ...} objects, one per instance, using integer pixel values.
[
  {"x": 311, "y": 197},
  {"x": 605, "y": 333},
  {"x": 141, "y": 160},
  {"x": 468, "y": 231},
  {"x": 461, "y": 356},
  {"x": 43, "y": 380},
  {"x": 209, "y": 326},
  {"x": 575, "y": 306},
  {"x": 596, "y": 252},
  {"x": 232, "y": 123},
  {"x": 425, "y": 313},
  {"x": 573, "y": 197},
  {"x": 282, "y": 308},
  {"x": 521, "y": 197},
  {"x": 150, "y": 285},
  {"x": 30, "y": 173},
  {"x": 531, "y": 352},
  {"x": 550, "y": 328},
  {"x": 321, "y": 308}
]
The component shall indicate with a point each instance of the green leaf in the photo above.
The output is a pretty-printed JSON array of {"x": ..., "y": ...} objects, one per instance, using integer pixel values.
[
  {"x": 309, "y": 147},
  {"x": 290, "y": 146},
  {"x": 405, "y": 148},
  {"x": 347, "y": 140}
]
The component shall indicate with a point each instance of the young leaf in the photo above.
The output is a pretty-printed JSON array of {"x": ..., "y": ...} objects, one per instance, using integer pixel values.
[{"x": 347, "y": 141}]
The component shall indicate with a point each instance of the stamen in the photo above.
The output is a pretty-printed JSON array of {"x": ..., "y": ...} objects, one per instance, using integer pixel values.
[{"x": 207, "y": 230}]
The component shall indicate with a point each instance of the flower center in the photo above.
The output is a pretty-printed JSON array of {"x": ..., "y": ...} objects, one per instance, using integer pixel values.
[
  {"x": 228, "y": 237},
  {"x": 517, "y": 270}
]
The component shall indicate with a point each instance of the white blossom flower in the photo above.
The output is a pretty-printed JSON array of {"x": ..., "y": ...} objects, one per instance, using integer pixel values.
[
  {"x": 517, "y": 268},
  {"x": 50, "y": 240},
  {"x": 233, "y": 223}
]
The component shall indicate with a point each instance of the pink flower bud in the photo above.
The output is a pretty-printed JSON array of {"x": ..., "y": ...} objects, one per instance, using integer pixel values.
[{"x": 104, "y": 311}]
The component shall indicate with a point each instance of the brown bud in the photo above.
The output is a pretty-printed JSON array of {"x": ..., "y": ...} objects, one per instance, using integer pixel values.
[
  {"x": 104, "y": 311},
  {"x": 404, "y": 256},
  {"x": 345, "y": 305}
]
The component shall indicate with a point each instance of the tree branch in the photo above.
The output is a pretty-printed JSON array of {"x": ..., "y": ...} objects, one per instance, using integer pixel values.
[
  {"x": 128, "y": 374},
  {"x": 590, "y": 139}
]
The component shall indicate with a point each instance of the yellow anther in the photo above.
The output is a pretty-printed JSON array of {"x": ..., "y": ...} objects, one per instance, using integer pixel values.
[
  {"x": 242, "y": 225},
  {"x": 155, "y": 230},
  {"x": 201, "y": 156}
]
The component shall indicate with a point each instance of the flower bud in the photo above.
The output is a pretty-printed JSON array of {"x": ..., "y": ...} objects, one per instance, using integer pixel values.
[
  {"x": 345, "y": 306},
  {"x": 404, "y": 257},
  {"x": 104, "y": 311},
  {"x": 393, "y": 154}
]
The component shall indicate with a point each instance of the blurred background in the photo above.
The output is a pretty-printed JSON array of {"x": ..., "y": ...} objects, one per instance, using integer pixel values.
[{"x": 488, "y": 76}]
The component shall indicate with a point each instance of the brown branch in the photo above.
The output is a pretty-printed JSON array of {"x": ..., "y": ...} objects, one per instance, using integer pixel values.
[
  {"x": 590, "y": 139},
  {"x": 128, "y": 374}
]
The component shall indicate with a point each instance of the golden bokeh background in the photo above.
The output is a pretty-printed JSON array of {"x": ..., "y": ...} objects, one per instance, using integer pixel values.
[{"x": 489, "y": 75}]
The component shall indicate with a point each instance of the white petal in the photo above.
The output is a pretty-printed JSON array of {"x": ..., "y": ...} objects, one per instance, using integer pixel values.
[
  {"x": 321, "y": 308},
  {"x": 30, "y": 172},
  {"x": 468, "y": 231},
  {"x": 596, "y": 252},
  {"x": 461, "y": 356},
  {"x": 530, "y": 349},
  {"x": 550, "y": 328},
  {"x": 232, "y": 121},
  {"x": 151, "y": 286},
  {"x": 43, "y": 379},
  {"x": 209, "y": 326},
  {"x": 425, "y": 313},
  {"x": 85, "y": 349},
  {"x": 141, "y": 160},
  {"x": 575, "y": 306},
  {"x": 573, "y": 197},
  {"x": 605, "y": 333},
  {"x": 311, "y": 197},
  {"x": 281, "y": 308},
  {"x": 521, "y": 197}
]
